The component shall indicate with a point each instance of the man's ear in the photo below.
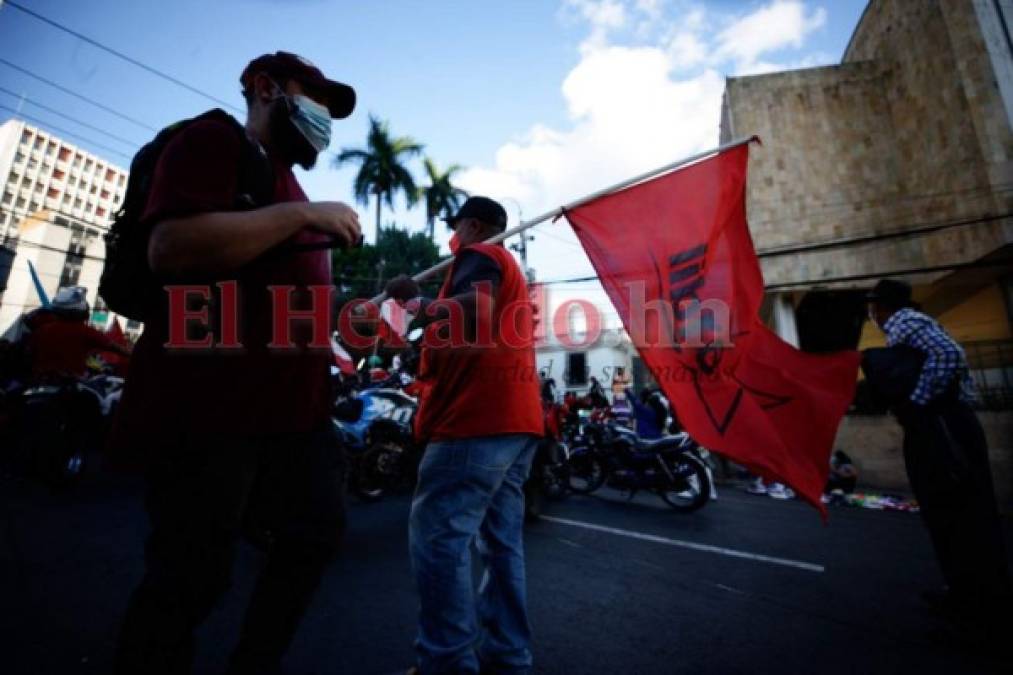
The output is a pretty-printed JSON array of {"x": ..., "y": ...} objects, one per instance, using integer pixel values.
[{"x": 264, "y": 87}]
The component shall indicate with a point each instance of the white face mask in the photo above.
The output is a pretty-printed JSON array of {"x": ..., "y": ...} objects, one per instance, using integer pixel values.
[{"x": 312, "y": 119}]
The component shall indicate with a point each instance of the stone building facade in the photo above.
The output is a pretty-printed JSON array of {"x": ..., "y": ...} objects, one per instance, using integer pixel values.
[{"x": 896, "y": 162}]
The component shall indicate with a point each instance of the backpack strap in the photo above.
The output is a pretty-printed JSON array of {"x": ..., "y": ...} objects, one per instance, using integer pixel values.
[{"x": 255, "y": 180}]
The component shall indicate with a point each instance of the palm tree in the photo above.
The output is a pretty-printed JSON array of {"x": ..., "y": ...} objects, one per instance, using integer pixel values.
[
  {"x": 441, "y": 196},
  {"x": 382, "y": 171}
]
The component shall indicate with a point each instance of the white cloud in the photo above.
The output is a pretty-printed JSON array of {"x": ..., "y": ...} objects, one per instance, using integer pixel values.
[
  {"x": 603, "y": 16},
  {"x": 646, "y": 91},
  {"x": 686, "y": 50},
  {"x": 781, "y": 24}
]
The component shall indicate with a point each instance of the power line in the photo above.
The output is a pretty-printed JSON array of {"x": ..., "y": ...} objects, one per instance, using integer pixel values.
[
  {"x": 82, "y": 97},
  {"x": 71, "y": 119},
  {"x": 867, "y": 238},
  {"x": 67, "y": 132},
  {"x": 121, "y": 55}
]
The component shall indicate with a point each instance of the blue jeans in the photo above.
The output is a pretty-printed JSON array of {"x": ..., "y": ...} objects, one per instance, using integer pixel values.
[{"x": 472, "y": 488}]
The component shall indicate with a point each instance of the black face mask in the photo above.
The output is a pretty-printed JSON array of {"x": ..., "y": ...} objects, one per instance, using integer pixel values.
[{"x": 288, "y": 142}]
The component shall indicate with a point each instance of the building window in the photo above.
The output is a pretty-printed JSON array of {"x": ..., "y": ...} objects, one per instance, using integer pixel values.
[
  {"x": 26, "y": 136},
  {"x": 77, "y": 203},
  {"x": 19, "y": 157},
  {"x": 53, "y": 193},
  {"x": 59, "y": 175},
  {"x": 122, "y": 180},
  {"x": 34, "y": 207},
  {"x": 38, "y": 188},
  {"x": 77, "y": 161},
  {"x": 51, "y": 148},
  {"x": 88, "y": 164},
  {"x": 32, "y": 165},
  {"x": 64, "y": 154},
  {"x": 38, "y": 144},
  {"x": 26, "y": 181},
  {"x": 20, "y": 203},
  {"x": 8, "y": 197},
  {"x": 105, "y": 194},
  {"x": 575, "y": 374}
]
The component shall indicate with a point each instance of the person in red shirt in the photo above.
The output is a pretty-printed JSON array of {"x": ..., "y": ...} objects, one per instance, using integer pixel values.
[
  {"x": 237, "y": 436},
  {"x": 481, "y": 417}
]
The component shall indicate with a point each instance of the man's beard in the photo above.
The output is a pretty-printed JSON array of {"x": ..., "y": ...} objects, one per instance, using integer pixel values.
[{"x": 287, "y": 141}]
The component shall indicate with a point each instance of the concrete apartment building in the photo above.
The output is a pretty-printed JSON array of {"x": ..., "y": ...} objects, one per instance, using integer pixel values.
[
  {"x": 896, "y": 162},
  {"x": 57, "y": 201}
]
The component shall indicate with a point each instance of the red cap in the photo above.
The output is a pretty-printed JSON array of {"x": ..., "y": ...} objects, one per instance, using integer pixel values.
[{"x": 286, "y": 65}]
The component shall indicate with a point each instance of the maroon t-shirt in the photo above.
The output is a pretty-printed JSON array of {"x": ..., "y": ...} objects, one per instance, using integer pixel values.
[{"x": 254, "y": 390}]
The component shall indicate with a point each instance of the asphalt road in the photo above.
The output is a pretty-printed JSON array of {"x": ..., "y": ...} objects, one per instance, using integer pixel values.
[{"x": 747, "y": 585}]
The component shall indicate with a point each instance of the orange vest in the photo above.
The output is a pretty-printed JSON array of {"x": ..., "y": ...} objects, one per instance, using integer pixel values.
[{"x": 490, "y": 388}]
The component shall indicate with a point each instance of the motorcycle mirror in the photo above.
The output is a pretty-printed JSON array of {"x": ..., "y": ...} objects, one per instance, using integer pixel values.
[{"x": 415, "y": 334}]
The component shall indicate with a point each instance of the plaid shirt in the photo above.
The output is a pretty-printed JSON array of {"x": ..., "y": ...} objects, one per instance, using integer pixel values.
[{"x": 945, "y": 361}]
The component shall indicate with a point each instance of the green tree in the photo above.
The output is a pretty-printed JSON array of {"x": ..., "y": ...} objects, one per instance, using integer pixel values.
[
  {"x": 441, "y": 196},
  {"x": 382, "y": 171},
  {"x": 363, "y": 272}
]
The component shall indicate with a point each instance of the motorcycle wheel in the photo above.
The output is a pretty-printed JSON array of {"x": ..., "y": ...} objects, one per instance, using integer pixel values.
[
  {"x": 377, "y": 468},
  {"x": 692, "y": 489},
  {"x": 555, "y": 480},
  {"x": 584, "y": 474},
  {"x": 534, "y": 501}
]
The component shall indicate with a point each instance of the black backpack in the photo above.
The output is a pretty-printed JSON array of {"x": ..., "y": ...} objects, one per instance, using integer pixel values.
[{"x": 128, "y": 285}]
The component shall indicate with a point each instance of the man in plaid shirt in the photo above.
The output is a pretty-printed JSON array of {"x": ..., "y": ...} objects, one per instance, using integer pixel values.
[
  {"x": 945, "y": 364},
  {"x": 946, "y": 457}
]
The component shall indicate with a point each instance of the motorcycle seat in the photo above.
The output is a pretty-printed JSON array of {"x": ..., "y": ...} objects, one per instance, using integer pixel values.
[{"x": 658, "y": 444}]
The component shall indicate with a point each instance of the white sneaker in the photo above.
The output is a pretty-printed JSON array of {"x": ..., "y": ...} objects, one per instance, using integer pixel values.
[
  {"x": 756, "y": 487},
  {"x": 780, "y": 491}
]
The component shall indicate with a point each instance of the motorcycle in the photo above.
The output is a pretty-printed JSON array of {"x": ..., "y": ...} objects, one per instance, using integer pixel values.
[
  {"x": 54, "y": 426},
  {"x": 673, "y": 467},
  {"x": 376, "y": 427},
  {"x": 548, "y": 479}
]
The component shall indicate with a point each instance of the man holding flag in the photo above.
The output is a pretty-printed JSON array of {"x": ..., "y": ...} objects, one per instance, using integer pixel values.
[{"x": 480, "y": 415}]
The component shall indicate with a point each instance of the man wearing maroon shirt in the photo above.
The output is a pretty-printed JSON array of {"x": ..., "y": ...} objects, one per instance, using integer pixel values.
[{"x": 233, "y": 435}]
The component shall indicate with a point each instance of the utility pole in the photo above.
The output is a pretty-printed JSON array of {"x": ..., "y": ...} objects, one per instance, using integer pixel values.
[{"x": 522, "y": 246}]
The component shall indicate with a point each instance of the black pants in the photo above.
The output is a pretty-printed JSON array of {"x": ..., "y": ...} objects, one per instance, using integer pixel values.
[
  {"x": 947, "y": 463},
  {"x": 203, "y": 493}
]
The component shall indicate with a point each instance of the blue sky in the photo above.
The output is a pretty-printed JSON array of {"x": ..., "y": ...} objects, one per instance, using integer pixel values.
[{"x": 541, "y": 100}]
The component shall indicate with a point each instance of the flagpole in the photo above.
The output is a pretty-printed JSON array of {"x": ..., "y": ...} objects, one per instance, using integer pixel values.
[{"x": 555, "y": 213}]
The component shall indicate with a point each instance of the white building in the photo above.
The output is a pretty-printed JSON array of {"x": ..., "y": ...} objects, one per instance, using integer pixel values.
[
  {"x": 57, "y": 202},
  {"x": 572, "y": 367}
]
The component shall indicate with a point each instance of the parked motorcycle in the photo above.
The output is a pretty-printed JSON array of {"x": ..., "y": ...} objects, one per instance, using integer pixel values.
[
  {"x": 672, "y": 466},
  {"x": 376, "y": 427},
  {"x": 52, "y": 428}
]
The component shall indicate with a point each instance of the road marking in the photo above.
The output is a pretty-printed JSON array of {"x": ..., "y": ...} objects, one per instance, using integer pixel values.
[{"x": 707, "y": 548}]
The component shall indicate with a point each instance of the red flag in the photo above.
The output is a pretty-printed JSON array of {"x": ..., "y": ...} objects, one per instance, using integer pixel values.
[
  {"x": 116, "y": 334},
  {"x": 342, "y": 359},
  {"x": 394, "y": 323},
  {"x": 675, "y": 257}
]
